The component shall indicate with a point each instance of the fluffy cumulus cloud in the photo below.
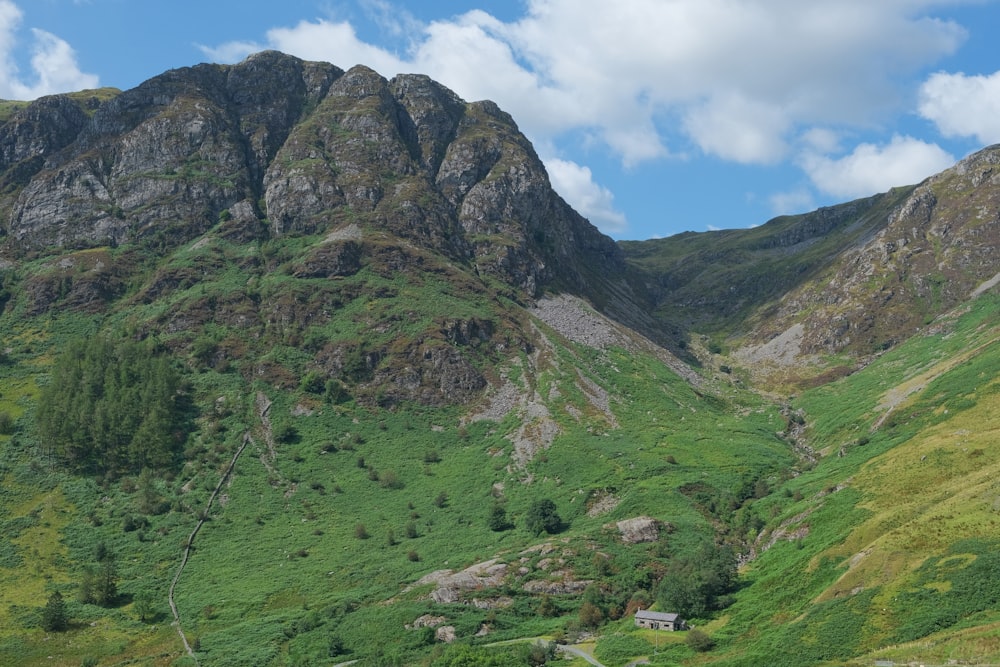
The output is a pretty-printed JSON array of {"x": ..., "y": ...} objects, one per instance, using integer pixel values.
[
  {"x": 799, "y": 200},
  {"x": 53, "y": 63},
  {"x": 870, "y": 168},
  {"x": 963, "y": 106},
  {"x": 576, "y": 185},
  {"x": 649, "y": 76}
]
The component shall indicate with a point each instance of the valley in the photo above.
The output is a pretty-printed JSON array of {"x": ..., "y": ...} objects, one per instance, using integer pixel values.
[{"x": 301, "y": 366}]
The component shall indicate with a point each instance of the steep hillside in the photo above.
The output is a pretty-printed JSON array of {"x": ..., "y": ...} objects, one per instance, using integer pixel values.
[
  {"x": 712, "y": 282},
  {"x": 831, "y": 288},
  {"x": 387, "y": 373},
  {"x": 306, "y": 366},
  {"x": 891, "y": 539}
]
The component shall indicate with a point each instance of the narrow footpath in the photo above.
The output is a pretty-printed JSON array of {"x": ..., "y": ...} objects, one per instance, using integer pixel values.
[{"x": 264, "y": 407}]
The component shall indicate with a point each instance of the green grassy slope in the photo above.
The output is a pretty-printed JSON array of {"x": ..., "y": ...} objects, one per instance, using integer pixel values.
[
  {"x": 892, "y": 537},
  {"x": 278, "y": 572},
  {"x": 887, "y": 540},
  {"x": 711, "y": 283}
]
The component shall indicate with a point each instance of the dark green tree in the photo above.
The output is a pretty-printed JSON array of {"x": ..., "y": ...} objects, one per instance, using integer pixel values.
[
  {"x": 113, "y": 406},
  {"x": 54, "y": 617},
  {"x": 144, "y": 604},
  {"x": 543, "y": 517},
  {"x": 697, "y": 583},
  {"x": 497, "y": 520},
  {"x": 106, "y": 583}
]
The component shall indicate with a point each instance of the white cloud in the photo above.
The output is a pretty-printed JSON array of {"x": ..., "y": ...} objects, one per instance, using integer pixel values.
[
  {"x": 821, "y": 140},
  {"x": 230, "y": 52},
  {"x": 649, "y": 78},
  {"x": 792, "y": 202},
  {"x": 335, "y": 42},
  {"x": 395, "y": 21},
  {"x": 963, "y": 106},
  {"x": 53, "y": 62},
  {"x": 576, "y": 185},
  {"x": 735, "y": 128},
  {"x": 870, "y": 169}
]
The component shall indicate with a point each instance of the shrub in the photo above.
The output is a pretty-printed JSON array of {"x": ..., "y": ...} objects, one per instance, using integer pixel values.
[
  {"x": 543, "y": 517},
  {"x": 497, "y": 520},
  {"x": 591, "y": 615},
  {"x": 285, "y": 433},
  {"x": 699, "y": 641},
  {"x": 546, "y": 607},
  {"x": 361, "y": 532},
  {"x": 335, "y": 647},
  {"x": 313, "y": 383},
  {"x": 390, "y": 480},
  {"x": 6, "y": 424}
]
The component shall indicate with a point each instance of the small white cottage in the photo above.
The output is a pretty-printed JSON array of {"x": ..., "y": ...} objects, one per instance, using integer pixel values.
[{"x": 655, "y": 620}]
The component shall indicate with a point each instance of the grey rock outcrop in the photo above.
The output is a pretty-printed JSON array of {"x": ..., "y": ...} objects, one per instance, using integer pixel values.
[{"x": 276, "y": 146}]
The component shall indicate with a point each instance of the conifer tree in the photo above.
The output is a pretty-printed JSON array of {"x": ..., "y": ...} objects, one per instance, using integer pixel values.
[{"x": 54, "y": 617}]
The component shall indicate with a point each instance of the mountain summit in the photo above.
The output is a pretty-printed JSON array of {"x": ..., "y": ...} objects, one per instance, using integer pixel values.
[{"x": 276, "y": 146}]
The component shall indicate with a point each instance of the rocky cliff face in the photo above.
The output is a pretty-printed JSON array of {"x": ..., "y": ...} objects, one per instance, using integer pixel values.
[
  {"x": 361, "y": 184},
  {"x": 277, "y": 146},
  {"x": 931, "y": 252},
  {"x": 264, "y": 199}
]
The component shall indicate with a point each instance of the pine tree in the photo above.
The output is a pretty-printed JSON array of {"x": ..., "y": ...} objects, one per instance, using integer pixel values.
[
  {"x": 54, "y": 618},
  {"x": 106, "y": 583}
]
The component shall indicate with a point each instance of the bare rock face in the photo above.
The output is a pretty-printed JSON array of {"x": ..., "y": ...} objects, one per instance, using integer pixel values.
[
  {"x": 365, "y": 184},
  {"x": 33, "y": 134},
  {"x": 640, "y": 529},
  {"x": 446, "y": 634},
  {"x": 934, "y": 249},
  {"x": 276, "y": 146},
  {"x": 451, "y": 585},
  {"x": 166, "y": 159}
]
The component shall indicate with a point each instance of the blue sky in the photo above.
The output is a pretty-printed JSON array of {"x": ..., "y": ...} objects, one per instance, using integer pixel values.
[{"x": 653, "y": 117}]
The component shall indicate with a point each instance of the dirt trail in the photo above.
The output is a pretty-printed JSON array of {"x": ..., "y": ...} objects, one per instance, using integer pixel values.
[{"x": 263, "y": 407}]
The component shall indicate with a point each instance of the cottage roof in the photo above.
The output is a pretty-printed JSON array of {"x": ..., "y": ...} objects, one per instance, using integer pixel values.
[{"x": 656, "y": 616}]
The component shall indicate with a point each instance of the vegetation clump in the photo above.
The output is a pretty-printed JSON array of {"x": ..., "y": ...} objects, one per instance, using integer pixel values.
[
  {"x": 54, "y": 616},
  {"x": 543, "y": 517},
  {"x": 113, "y": 407}
]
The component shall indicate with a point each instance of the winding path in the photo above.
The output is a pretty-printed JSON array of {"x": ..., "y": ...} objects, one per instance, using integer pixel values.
[
  {"x": 580, "y": 653},
  {"x": 263, "y": 408}
]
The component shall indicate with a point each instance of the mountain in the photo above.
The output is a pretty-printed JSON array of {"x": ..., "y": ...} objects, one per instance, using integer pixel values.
[
  {"x": 303, "y": 365},
  {"x": 850, "y": 280}
]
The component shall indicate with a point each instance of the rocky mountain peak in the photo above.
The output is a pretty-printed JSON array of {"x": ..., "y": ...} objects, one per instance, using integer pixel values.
[{"x": 275, "y": 146}]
